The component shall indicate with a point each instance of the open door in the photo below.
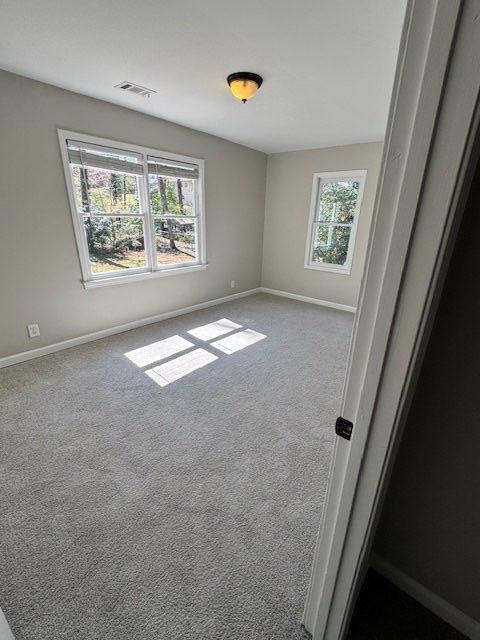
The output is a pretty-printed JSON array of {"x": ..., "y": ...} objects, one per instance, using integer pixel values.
[{"x": 428, "y": 152}]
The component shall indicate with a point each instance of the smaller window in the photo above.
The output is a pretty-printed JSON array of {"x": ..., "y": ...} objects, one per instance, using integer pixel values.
[{"x": 336, "y": 201}]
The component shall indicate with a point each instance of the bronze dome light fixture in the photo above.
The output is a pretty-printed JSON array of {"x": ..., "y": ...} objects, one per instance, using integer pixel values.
[{"x": 244, "y": 84}]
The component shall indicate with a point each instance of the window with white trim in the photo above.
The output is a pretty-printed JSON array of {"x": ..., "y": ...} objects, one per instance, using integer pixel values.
[
  {"x": 137, "y": 212},
  {"x": 335, "y": 206}
]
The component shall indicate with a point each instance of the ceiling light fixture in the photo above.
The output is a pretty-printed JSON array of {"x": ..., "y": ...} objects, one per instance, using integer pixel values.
[{"x": 244, "y": 85}]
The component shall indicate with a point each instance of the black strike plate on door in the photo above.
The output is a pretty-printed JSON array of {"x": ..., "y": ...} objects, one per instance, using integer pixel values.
[{"x": 343, "y": 428}]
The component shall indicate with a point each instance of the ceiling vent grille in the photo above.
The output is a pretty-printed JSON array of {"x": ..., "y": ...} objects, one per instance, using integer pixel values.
[{"x": 135, "y": 88}]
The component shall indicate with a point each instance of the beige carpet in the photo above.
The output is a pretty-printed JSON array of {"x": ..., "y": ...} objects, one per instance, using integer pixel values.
[{"x": 173, "y": 493}]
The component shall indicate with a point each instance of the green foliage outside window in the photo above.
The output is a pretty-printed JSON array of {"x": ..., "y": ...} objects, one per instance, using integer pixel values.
[
  {"x": 117, "y": 241},
  {"x": 336, "y": 207}
]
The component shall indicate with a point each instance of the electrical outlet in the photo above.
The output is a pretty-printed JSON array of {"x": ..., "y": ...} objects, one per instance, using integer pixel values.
[
  {"x": 232, "y": 284},
  {"x": 33, "y": 330}
]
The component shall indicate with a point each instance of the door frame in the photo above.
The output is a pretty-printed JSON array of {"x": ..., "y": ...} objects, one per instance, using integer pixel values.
[{"x": 425, "y": 171}]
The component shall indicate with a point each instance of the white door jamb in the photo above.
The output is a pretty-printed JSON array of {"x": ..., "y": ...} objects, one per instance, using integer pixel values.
[{"x": 432, "y": 124}]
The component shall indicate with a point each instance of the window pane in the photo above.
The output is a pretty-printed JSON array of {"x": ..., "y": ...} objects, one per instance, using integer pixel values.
[
  {"x": 115, "y": 243},
  {"x": 337, "y": 201},
  {"x": 175, "y": 240},
  {"x": 330, "y": 244},
  {"x": 100, "y": 191},
  {"x": 171, "y": 196}
]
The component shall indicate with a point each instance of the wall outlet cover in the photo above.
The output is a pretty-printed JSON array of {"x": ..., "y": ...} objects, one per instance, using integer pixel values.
[
  {"x": 232, "y": 284},
  {"x": 33, "y": 330}
]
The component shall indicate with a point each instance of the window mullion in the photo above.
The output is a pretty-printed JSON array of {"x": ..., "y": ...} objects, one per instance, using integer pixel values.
[
  {"x": 148, "y": 227},
  {"x": 333, "y": 224},
  {"x": 174, "y": 217}
]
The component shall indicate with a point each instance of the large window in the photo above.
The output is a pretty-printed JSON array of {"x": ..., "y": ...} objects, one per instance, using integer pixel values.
[
  {"x": 137, "y": 212},
  {"x": 336, "y": 201}
]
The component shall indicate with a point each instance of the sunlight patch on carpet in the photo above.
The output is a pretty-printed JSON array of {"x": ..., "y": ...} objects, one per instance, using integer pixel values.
[
  {"x": 175, "y": 369},
  {"x": 238, "y": 341},
  {"x": 214, "y": 329},
  {"x": 158, "y": 350}
]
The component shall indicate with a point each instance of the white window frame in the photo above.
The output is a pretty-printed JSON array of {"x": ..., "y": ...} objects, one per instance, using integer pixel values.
[
  {"x": 152, "y": 269},
  {"x": 331, "y": 176}
]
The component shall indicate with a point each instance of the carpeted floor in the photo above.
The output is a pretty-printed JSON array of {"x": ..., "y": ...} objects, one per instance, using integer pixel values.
[{"x": 148, "y": 506}]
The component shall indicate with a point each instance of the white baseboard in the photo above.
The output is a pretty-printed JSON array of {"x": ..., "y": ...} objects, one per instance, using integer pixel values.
[
  {"x": 16, "y": 358},
  {"x": 295, "y": 296},
  {"x": 97, "y": 335},
  {"x": 440, "y": 607},
  {"x": 5, "y": 631}
]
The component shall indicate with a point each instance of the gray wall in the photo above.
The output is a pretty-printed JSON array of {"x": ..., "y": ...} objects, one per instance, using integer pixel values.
[
  {"x": 430, "y": 523},
  {"x": 40, "y": 271},
  {"x": 287, "y": 208}
]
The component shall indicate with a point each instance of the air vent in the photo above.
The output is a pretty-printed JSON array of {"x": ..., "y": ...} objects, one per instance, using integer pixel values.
[{"x": 135, "y": 88}]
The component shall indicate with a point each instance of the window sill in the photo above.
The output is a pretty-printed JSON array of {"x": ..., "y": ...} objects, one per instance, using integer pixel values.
[
  {"x": 345, "y": 271},
  {"x": 144, "y": 275}
]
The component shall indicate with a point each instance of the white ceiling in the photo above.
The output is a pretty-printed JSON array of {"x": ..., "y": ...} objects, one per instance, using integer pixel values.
[{"x": 328, "y": 65}]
